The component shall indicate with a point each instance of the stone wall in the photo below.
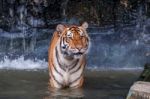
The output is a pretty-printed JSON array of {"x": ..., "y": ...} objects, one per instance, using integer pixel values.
[{"x": 49, "y": 12}]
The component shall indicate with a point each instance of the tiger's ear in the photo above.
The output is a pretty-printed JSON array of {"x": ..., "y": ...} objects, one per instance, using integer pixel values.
[
  {"x": 60, "y": 28},
  {"x": 84, "y": 25}
]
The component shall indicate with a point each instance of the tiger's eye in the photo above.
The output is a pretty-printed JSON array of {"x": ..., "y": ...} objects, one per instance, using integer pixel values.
[
  {"x": 64, "y": 46},
  {"x": 69, "y": 34}
]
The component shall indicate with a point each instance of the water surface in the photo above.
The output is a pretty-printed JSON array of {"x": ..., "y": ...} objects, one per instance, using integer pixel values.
[{"x": 23, "y": 84}]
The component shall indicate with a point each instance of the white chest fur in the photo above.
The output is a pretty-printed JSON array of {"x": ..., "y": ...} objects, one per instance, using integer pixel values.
[
  {"x": 66, "y": 78},
  {"x": 67, "y": 71}
]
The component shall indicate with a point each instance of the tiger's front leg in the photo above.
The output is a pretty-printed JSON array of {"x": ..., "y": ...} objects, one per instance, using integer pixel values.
[
  {"x": 55, "y": 84},
  {"x": 78, "y": 83},
  {"x": 55, "y": 80},
  {"x": 77, "y": 77},
  {"x": 59, "y": 83}
]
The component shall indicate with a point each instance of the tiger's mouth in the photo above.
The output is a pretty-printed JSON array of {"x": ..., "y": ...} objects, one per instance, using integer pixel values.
[{"x": 76, "y": 55}]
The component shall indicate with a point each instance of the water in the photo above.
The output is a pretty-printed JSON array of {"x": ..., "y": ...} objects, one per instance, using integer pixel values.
[
  {"x": 116, "y": 52},
  {"x": 23, "y": 64},
  {"x": 27, "y": 84}
]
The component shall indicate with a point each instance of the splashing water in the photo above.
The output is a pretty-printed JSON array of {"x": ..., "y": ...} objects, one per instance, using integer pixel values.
[{"x": 23, "y": 64}]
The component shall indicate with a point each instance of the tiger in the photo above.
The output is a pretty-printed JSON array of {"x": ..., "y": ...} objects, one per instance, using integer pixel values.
[{"x": 67, "y": 55}]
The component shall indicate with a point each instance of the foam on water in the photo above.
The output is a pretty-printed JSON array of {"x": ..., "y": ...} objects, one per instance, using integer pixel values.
[
  {"x": 22, "y": 64},
  {"x": 96, "y": 68}
]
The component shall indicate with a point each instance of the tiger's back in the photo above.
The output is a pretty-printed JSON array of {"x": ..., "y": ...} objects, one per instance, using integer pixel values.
[{"x": 67, "y": 55}]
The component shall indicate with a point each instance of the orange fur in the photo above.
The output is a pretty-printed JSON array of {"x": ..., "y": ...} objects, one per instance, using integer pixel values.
[{"x": 77, "y": 41}]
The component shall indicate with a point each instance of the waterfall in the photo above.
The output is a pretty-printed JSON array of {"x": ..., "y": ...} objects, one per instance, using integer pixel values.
[
  {"x": 26, "y": 31},
  {"x": 33, "y": 40}
]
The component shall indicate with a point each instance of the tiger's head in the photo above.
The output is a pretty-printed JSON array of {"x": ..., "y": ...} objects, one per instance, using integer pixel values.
[{"x": 74, "y": 40}]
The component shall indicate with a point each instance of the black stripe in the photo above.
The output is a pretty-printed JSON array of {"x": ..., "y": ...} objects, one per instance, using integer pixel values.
[
  {"x": 58, "y": 60},
  {"x": 63, "y": 67},
  {"x": 60, "y": 42},
  {"x": 76, "y": 69},
  {"x": 60, "y": 45},
  {"x": 57, "y": 71},
  {"x": 76, "y": 79},
  {"x": 56, "y": 80},
  {"x": 63, "y": 40},
  {"x": 74, "y": 65}
]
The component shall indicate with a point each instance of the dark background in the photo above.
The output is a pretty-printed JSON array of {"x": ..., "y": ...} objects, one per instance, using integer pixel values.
[
  {"x": 96, "y": 12},
  {"x": 119, "y": 29}
]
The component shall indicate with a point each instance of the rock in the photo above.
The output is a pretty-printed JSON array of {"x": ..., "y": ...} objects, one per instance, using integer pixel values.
[
  {"x": 96, "y": 12},
  {"x": 145, "y": 75},
  {"x": 139, "y": 90}
]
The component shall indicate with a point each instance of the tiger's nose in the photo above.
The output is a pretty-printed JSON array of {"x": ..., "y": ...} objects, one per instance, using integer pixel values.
[{"x": 79, "y": 47}]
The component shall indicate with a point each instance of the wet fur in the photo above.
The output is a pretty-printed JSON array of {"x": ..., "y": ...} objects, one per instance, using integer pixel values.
[{"x": 66, "y": 65}]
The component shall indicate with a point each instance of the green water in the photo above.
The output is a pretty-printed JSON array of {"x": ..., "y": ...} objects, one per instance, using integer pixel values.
[{"x": 15, "y": 84}]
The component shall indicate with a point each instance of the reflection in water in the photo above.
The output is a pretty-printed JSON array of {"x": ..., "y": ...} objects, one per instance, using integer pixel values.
[
  {"x": 65, "y": 93},
  {"x": 97, "y": 85},
  {"x": 21, "y": 84}
]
